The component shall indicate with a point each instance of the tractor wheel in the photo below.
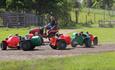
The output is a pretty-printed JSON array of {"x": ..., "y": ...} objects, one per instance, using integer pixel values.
[
  {"x": 74, "y": 43},
  {"x": 18, "y": 47},
  {"x": 61, "y": 44},
  {"x": 95, "y": 42},
  {"x": 53, "y": 47},
  {"x": 3, "y": 45},
  {"x": 20, "y": 44},
  {"x": 87, "y": 42},
  {"x": 27, "y": 45}
]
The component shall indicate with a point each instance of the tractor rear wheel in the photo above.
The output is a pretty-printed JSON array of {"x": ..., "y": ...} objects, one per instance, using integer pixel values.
[
  {"x": 27, "y": 45},
  {"x": 3, "y": 45},
  {"x": 95, "y": 42},
  {"x": 61, "y": 44},
  {"x": 87, "y": 42}
]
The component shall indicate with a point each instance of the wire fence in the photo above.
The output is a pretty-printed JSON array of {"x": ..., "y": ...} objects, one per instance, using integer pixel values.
[
  {"x": 96, "y": 16},
  {"x": 20, "y": 20}
]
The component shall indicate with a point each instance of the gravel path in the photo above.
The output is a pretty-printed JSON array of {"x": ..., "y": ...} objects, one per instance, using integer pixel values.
[{"x": 46, "y": 51}]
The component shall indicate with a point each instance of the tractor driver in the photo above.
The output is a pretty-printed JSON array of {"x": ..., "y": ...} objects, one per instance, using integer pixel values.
[
  {"x": 52, "y": 27},
  {"x": 52, "y": 24}
]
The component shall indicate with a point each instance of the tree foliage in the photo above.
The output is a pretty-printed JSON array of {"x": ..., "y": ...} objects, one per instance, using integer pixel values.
[
  {"x": 2, "y": 3},
  {"x": 56, "y": 7},
  {"x": 103, "y": 4},
  {"x": 106, "y": 4}
]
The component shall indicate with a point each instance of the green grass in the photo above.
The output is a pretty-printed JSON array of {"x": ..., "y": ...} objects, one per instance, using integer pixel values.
[
  {"x": 5, "y": 32},
  {"x": 105, "y": 35},
  {"x": 102, "y": 61}
]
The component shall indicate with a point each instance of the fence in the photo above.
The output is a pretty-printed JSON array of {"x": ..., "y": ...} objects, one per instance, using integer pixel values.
[
  {"x": 20, "y": 20},
  {"x": 107, "y": 24},
  {"x": 97, "y": 16}
]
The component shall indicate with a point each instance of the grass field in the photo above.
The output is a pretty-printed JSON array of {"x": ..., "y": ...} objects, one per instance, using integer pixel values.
[
  {"x": 102, "y": 61},
  {"x": 5, "y": 32}
]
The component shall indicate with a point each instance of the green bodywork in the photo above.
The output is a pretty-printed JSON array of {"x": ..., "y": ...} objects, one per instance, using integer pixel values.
[
  {"x": 79, "y": 38},
  {"x": 73, "y": 35},
  {"x": 36, "y": 41}
]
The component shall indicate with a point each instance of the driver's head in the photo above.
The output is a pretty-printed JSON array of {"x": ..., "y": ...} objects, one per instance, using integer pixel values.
[
  {"x": 36, "y": 33},
  {"x": 16, "y": 35},
  {"x": 52, "y": 18}
]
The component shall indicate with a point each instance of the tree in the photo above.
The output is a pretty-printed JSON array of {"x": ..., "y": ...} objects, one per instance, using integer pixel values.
[
  {"x": 52, "y": 7},
  {"x": 20, "y": 5},
  {"x": 88, "y": 3},
  {"x": 106, "y": 4},
  {"x": 77, "y": 6},
  {"x": 46, "y": 6},
  {"x": 2, "y": 3},
  {"x": 103, "y": 4},
  {"x": 27, "y": 5},
  {"x": 14, "y": 5}
]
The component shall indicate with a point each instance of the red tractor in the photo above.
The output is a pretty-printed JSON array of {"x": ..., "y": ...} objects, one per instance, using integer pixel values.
[
  {"x": 11, "y": 42},
  {"x": 60, "y": 42}
]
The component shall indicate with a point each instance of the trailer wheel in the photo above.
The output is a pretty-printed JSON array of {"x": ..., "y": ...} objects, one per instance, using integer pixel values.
[
  {"x": 74, "y": 43},
  {"x": 27, "y": 45},
  {"x": 95, "y": 42},
  {"x": 61, "y": 44},
  {"x": 3, "y": 45},
  {"x": 87, "y": 42}
]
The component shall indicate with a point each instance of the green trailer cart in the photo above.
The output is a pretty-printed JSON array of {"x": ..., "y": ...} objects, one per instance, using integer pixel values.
[
  {"x": 80, "y": 39},
  {"x": 30, "y": 44}
]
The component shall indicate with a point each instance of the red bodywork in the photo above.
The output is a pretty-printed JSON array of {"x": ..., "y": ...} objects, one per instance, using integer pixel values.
[
  {"x": 91, "y": 37},
  {"x": 12, "y": 41},
  {"x": 41, "y": 31},
  {"x": 30, "y": 35},
  {"x": 53, "y": 41},
  {"x": 33, "y": 31},
  {"x": 66, "y": 38}
]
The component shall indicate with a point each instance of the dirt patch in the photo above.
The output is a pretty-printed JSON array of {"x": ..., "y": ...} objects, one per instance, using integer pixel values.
[{"x": 66, "y": 31}]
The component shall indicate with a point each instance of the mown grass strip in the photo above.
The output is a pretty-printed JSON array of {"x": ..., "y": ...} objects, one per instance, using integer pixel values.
[{"x": 103, "y": 61}]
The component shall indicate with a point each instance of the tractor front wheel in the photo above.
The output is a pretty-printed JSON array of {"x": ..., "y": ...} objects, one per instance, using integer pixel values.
[
  {"x": 53, "y": 47},
  {"x": 74, "y": 43},
  {"x": 3, "y": 45}
]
